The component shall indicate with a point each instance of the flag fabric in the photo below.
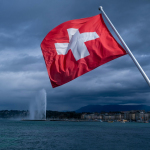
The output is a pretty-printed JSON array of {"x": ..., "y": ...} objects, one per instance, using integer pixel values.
[{"x": 78, "y": 46}]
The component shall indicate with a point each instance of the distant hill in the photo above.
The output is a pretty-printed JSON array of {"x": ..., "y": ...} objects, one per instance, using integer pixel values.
[{"x": 112, "y": 108}]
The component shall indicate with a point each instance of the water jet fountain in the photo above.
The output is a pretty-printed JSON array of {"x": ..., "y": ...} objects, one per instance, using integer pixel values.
[{"x": 37, "y": 108}]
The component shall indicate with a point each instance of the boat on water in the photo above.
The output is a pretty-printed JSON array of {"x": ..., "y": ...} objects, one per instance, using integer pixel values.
[
  {"x": 110, "y": 121},
  {"x": 146, "y": 122},
  {"x": 140, "y": 121},
  {"x": 122, "y": 122}
]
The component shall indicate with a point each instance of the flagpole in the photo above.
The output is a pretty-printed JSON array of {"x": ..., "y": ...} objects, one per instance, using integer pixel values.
[{"x": 126, "y": 47}]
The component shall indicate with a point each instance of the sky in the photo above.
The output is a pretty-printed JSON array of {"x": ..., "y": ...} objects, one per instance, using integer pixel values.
[{"x": 23, "y": 26}]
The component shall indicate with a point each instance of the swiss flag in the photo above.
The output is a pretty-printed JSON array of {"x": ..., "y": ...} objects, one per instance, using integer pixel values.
[{"x": 76, "y": 47}]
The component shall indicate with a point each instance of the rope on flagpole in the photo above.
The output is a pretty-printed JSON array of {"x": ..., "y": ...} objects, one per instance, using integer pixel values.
[{"x": 126, "y": 47}]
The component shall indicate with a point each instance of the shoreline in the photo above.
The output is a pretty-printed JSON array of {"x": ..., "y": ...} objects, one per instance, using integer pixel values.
[{"x": 101, "y": 121}]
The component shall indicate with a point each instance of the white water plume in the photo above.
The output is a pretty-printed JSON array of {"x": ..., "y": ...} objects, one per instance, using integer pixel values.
[{"x": 38, "y": 106}]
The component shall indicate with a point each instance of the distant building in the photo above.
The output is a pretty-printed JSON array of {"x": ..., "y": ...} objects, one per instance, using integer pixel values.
[
  {"x": 118, "y": 116},
  {"x": 134, "y": 115},
  {"x": 140, "y": 115}
]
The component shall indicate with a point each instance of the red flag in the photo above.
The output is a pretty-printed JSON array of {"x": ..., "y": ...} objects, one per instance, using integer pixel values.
[{"x": 76, "y": 47}]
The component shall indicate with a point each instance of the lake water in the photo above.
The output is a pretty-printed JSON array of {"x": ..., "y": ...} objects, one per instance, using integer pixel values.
[{"x": 48, "y": 135}]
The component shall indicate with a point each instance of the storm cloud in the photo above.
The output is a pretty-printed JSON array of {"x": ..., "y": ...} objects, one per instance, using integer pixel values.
[{"x": 23, "y": 26}]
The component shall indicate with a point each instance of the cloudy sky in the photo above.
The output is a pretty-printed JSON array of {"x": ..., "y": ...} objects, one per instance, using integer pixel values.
[{"x": 24, "y": 24}]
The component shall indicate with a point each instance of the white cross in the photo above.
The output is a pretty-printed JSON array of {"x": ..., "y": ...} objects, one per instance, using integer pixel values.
[{"x": 76, "y": 43}]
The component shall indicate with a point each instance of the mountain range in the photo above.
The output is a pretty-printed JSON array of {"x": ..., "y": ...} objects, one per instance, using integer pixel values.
[{"x": 112, "y": 108}]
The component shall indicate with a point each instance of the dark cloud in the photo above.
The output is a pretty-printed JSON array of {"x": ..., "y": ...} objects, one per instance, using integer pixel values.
[
  {"x": 23, "y": 26},
  {"x": 23, "y": 63}
]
